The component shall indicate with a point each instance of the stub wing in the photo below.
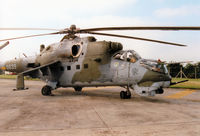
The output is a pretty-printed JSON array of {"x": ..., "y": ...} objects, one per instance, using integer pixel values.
[
  {"x": 45, "y": 70},
  {"x": 50, "y": 72}
]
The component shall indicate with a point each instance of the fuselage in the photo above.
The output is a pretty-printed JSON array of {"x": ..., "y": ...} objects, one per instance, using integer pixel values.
[{"x": 87, "y": 62}]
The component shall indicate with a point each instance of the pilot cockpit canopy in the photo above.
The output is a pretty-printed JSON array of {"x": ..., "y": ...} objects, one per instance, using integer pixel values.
[{"x": 130, "y": 56}]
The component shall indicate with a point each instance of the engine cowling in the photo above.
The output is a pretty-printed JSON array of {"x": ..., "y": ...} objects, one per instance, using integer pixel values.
[{"x": 58, "y": 51}]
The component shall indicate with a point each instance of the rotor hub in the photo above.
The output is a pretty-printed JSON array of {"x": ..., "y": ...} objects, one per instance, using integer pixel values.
[{"x": 72, "y": 28}]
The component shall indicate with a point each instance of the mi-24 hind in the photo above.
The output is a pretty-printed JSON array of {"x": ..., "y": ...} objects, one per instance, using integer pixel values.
[{"x": 85, "y": 62}]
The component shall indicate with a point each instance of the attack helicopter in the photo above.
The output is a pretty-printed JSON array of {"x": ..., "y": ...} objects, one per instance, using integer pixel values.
[{"x": 85, "y": 62}]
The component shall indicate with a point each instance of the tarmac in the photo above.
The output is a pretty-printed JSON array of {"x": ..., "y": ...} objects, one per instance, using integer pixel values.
[{"x": 96, "y": 112}]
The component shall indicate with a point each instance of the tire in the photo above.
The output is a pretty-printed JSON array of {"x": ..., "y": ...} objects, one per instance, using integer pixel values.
[
  {"x": 78, "y": 89},
  {"x": 46, "y": 90},
  {"x": 123, "y": 95},
  {"x": 128, "y": 96}
]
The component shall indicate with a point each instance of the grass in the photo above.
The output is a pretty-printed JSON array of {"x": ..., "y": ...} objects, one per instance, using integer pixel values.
[
  {"x": 15, "y": 76},
  {"x": 8, "y": 76},
  {"x": 191, "y": 84}
]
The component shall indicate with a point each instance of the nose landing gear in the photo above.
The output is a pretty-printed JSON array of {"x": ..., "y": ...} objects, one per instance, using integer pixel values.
[{"x": 46, "y": 90}]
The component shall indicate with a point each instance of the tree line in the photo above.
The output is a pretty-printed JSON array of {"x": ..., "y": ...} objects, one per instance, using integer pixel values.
[{"x": 190, "y": 70}]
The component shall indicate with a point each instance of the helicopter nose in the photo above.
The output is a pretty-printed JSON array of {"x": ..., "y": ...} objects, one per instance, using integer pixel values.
[
  {"x": 166, "y": 81},
  {"x": 168, "y": 76}
]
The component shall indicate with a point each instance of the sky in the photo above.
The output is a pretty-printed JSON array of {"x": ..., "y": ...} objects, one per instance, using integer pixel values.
[{"x": 61, "y": 14}]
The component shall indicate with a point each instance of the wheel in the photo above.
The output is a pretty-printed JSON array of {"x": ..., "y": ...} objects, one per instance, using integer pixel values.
[
  {"x": 78, "y": 88},
  {"x": 123, "y": 94},
  {"x": 46, "y": 90},
  {"x": 128, "y": 96}
]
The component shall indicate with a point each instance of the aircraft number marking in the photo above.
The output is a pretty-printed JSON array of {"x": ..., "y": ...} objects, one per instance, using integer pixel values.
[{"x": 11, "y": 66}]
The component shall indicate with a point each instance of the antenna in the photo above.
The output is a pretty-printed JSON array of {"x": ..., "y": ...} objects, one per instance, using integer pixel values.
[{"x": 181, "y": 73}]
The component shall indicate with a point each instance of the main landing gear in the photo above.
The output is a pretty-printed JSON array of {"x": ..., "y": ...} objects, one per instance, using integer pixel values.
[
  {"x": 125, "y": 94},
  {"x": 78, "y": 89},
  {"x": 46, "y": 90}
]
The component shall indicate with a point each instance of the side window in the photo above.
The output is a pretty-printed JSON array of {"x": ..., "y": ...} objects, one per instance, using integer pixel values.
[
  {"x": 85, "y": 66},
  {"x": 68, "y": 67},
  {"x": 77, "y": 66}
]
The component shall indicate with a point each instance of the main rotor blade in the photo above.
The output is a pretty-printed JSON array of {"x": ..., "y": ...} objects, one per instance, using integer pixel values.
[
  {"x": 178, "y": 62},
  {"x": 4, "y": 45},
  {"x": 46, "y": 29},
  {"x": 137, "y": 38},
  {"x": 172, "y": 28},
  {"x": 28, "y": 36}
]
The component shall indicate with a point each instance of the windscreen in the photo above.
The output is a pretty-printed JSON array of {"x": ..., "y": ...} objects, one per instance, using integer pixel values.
[{"x": 154, "y": 65}]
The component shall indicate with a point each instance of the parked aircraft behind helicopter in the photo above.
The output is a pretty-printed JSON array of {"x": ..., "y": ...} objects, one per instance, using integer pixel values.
[{"x": 84, "y": 62}]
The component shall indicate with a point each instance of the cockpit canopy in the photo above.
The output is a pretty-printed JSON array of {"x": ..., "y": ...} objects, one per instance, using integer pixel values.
[
  {"x": 154, "y": 65},
  {"x": 130, "y": 56}
]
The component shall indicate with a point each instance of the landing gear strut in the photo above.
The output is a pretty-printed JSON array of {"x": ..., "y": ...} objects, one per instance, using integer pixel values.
[
  {"x": 46, "y": 90},
  {"x": 125, "y": 94}
]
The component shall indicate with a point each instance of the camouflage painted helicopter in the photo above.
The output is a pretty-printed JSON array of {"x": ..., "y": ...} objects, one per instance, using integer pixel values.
[{"x": 85, "y": 62}]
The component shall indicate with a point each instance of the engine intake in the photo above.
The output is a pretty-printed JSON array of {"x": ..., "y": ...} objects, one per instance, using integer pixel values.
[
  {"x": 76, "y": 50},
  {"x": 72, "y": 51}
]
